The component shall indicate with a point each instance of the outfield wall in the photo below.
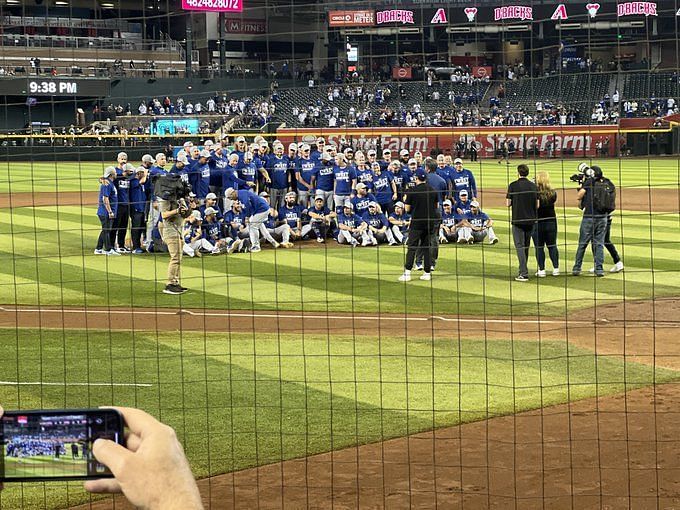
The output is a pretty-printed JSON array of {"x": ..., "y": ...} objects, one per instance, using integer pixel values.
[{"x": 577, "y": 141}]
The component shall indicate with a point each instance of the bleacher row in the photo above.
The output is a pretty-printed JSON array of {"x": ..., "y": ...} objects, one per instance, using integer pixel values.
[{"x": 573, "y": 92}]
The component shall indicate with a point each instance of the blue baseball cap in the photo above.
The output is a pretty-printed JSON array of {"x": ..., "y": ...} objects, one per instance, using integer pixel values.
[{"x": 420, "y": 173}]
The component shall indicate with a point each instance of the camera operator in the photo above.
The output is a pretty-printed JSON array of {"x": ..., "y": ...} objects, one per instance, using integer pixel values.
[
  {"x": 596, "y": 197},
  {"x": 172, "y": 191}
]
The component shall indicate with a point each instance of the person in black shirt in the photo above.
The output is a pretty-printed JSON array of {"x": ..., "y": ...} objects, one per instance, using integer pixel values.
[
  {"x": 421, "y": 202},
  {"x": 593, "y": 224},
  {"x": 522, "y": 197},
  {"x": 545, "y": 230}
]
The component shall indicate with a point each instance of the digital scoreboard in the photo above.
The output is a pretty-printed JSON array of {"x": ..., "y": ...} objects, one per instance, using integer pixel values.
[{"x": 57, "y": 87}]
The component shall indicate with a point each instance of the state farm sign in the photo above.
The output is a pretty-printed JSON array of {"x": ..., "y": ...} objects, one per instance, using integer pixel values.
[{"x": 351, "y": 18}]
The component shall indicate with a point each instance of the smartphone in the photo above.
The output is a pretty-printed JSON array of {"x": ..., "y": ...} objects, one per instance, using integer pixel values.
[{"x": 56, "y": 444}]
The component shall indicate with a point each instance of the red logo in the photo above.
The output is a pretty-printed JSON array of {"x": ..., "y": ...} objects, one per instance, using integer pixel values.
[
  {"x": 439, "y": 17},
  {"x": 592, "y": 9},
  {"x": 471, "y": 12}
]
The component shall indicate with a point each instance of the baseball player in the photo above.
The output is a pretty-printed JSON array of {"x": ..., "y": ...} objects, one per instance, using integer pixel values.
[
  {"x": 291, "y": 214},
  {"x": 137, "y": 193},
  {"x": 384, "y": 187},
  {"x": 214, "y": 231},
  {"x": 122, "y": 184},
  {"x": 363, "y": 169},
  {"x": 400, "y": 221},
  {"x": 345, "y": 179},
  {"x": 352, "y": 227},
  {"x": 277, "y": 230},
  {"x": 378, "y": 227},
  {"x": 211, "y": 201},
  {"x": 277, "y": 167},
  {"x": 362, "y": 198},
  {"x": 257, "y": 211},
  {"x": 475, "y": 226},
  {"x": 194, "y": 242},
  {"x": 462, "y": 179},
  {"x": 320, "y": 220},
  {"x": 462, "y": 206},
  {"x": 449, "y": 226},
  {"x": 325, "y": 178},
  {"x": 156, "y": 171},
  {"x": 235, "y": 223},
  {"x": 108, "y": 204},
  {"x": 305, "y": 174}
]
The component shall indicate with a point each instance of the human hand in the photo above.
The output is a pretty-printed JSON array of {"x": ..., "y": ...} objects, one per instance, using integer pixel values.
[
  {"x": 111, "y": 215},
  {"x": 152, "y": 472}
]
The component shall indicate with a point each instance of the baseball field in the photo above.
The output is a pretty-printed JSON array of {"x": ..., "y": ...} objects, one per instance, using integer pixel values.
[{"x": 281, "y": 370}]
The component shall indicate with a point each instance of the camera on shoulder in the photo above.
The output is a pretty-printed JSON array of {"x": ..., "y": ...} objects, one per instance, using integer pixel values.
[{"x": 172, "y": 188}]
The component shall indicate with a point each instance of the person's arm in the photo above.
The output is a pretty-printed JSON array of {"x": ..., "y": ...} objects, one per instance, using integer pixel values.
[
  {"x": 152, "y": 472},
  {"x": 265, "y": 174},
  {"x": 362, "y": 227},
  {"x": 579, "y": 196},
  {"x": 298, "y": 176},
  {"x": 473, "y": 185},
  {"x": 107, "y": 205},
  {"x": 394, "y": 189}
]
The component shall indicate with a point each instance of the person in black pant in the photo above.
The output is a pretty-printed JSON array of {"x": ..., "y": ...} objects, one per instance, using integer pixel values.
[
  {"x": 108, "y": 206},
  {"x": 137, "y": 207},
  {"x": 522, "y": 197},
  {"x": 421, "y": 203},
  {"x": 545, "y": 230},
  {"x": 440, "y": 185},
  {"x": 618, "y": 263},
  {"x": 123, "y": 172}
]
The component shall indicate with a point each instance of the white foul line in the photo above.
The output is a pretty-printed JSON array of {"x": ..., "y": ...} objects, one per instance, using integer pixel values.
[
  {"x": 23, "y": 383},
  {"x": 292, "y": 316}
]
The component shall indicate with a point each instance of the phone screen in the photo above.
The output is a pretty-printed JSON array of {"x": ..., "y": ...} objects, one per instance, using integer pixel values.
[{"x": 56, "y": 444}]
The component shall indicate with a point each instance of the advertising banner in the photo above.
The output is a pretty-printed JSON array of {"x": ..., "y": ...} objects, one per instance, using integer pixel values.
[
  {"x": 402, "y": 73},
  {"x": 576, "y": 141},
  {"x": 351, "y": 18}
]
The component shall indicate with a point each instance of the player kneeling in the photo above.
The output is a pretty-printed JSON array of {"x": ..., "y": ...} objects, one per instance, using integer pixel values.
[
  {"x": 351, "y": 227},
  {"x": 291, "y": 214},
  {"x": 214, "y": 231},
  {"x": 320, "y": 219},
  {"x": 448, "y": 231},
  {"x": 400, "y": 221},
  {"x": 475, "y": 226},
  {"x": 378, "y": 226},
  {"x": 279, "y": 231},
  {"x": 194, "y": 242}
]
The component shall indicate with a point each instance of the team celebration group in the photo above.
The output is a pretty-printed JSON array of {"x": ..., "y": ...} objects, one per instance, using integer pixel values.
[{"x": 309, "y": 191}]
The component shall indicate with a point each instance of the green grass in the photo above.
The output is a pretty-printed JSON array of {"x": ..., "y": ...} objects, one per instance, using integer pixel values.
[
  {"x": 238, "y": 402},
  {"x": 46, "y": 258},
  {"x": 82, "y": 176}
]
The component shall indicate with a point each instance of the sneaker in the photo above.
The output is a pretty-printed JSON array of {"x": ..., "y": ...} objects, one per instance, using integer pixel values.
[
  {"x": 426, "y": 277},
  {"x": 462, "y": 240},
  {"x": 493, "y": 241},
  {"x": 521, "y": 278},
  {"x": 112, "y": 252},
  {"x": 138, "y": 251},
  {"x": 288, "y": 245},
  {"x": 556, "y": 271},
  {"x": 418, "y": 267},
  {"x": 320, "y": 240},
  {"x": 122, "y": 250},
  {"x": 591, "y": 270},
  {"x": 575, "y": 272},
  {"x": 255, "y": 249},
  {"x": 276, "y": 245},
  {"x": 599, "y": 274},
  {"x": 355, "y": 243},
  {"x": 618, "y": 267},
  {"x": 394, "y": 243},
  {"x": 234, "y": 246},
  {"x": 406, "y": 277},
  {"x": 365, "y": 242},
  {"x": 174, "y": 289},
  {"x": 99, "y": 251},
  {"x": 443, "y": 240},
  {"x": 374, "y": 241},
  {"x": 471, "y": 241},
  {"x": 540, "y": 273}
]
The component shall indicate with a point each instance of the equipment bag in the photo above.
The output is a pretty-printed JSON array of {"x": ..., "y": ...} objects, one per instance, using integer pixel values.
[{"x": 604, "y": 196}]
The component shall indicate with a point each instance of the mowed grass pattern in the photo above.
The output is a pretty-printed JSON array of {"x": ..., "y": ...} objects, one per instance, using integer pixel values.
[
  {"x": 34, "y": 177},
  {"x": 237, "y": 401},
  {"x": 46, "y": 258}
]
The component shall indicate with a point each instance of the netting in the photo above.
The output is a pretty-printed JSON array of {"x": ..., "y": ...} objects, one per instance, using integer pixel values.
[{"x": 312, "y": 362}]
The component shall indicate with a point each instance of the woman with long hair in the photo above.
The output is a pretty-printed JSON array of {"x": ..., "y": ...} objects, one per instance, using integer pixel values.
[{"x": 545, "y": 229}]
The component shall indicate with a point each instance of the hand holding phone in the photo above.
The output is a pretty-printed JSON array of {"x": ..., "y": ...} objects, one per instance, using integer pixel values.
[
  {"x": 55, "y": 444},
  {"x": 152, "y": 471}
]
